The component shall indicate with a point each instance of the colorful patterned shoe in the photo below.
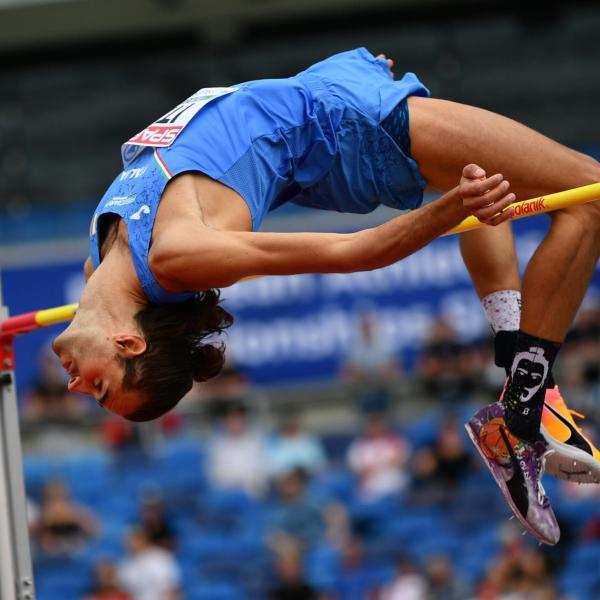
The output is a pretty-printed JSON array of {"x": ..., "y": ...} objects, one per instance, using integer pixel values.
[
  {"x": 517, "y": 467},
  {"x": 574, "y": 457}
]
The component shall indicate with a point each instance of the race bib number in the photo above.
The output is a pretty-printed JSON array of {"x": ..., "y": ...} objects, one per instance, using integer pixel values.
[{"x": 164, "y": 131}]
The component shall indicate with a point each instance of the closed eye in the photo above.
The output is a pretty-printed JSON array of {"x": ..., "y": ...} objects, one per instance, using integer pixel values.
[
  {"x": 98, "y": 388},
  {"x": 102, "y": 401}
]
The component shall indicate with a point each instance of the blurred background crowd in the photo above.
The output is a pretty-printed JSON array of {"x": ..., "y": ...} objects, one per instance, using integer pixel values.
[
  {"x": 329, "y": 460},
  {"x": 247, "y": 493}
]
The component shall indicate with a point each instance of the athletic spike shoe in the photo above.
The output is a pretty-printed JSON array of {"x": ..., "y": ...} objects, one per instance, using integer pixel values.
[
  {"x": 517, "y": 467},
  {"x": 574, "y": 458}
]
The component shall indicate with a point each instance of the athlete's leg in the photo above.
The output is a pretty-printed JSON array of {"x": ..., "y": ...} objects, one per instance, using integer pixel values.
[
  {"x": 445, "y": 135},
  {"x": 490, "y": 258}
]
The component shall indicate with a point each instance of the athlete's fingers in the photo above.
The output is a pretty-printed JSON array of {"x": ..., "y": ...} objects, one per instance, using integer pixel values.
[
  {"x": 473, "y": 171},
  {"x": 470, "y": 188},
  {"x": 389, "y": 61},
  {"x": 492, "y": 209},
  {"x": 505, "y": 215},
  {"x": 484, "y": 200}
]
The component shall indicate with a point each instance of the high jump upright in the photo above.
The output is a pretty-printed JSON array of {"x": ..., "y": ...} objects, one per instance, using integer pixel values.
[{"x": 16, "y": 575}]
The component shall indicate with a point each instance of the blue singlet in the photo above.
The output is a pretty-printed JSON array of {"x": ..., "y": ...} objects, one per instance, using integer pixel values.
[{"x": 314, "y": 139}]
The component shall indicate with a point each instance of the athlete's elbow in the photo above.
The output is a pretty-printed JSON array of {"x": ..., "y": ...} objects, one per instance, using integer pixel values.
[{"x": 171, "y": 268}]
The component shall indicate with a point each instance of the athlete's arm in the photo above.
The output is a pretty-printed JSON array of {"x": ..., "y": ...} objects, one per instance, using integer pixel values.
[{"x": 197, "y": 257}]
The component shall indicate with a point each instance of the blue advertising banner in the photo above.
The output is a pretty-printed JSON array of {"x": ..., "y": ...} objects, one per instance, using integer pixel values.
[{"x": 291, "y": 329}]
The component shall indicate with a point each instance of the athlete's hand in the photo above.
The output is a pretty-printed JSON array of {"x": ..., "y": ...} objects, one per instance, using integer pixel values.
[
  {"x": 390, "y": 63},
  {"x": 487, "y": 198}
]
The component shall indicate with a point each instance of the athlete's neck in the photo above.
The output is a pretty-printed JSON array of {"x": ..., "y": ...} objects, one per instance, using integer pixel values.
[{"x": 113, "y": 290}]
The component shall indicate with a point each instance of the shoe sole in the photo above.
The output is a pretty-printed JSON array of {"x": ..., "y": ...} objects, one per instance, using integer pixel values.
[
  {"x": 496, "y": 471},
  {"x": 570, "y": 463}
]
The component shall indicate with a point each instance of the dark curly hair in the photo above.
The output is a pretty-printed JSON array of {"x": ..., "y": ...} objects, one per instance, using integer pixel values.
[{"x": 176, "y": 354}]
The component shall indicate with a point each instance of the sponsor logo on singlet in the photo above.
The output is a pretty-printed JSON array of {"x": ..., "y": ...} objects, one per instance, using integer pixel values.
[
  {"x": 132, "y": 173},
  {"x": 121, "y": 200},
  {"x": 137, "y": 215}
]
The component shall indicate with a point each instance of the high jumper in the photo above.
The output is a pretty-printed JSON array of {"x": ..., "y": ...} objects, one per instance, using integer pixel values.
[{"x": 181, "y": 221}]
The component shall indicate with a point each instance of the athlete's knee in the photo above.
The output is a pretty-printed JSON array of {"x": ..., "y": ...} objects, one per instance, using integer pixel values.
[
  {"x": 584, "y": 218},
  {"x": 589, "y": 166}
]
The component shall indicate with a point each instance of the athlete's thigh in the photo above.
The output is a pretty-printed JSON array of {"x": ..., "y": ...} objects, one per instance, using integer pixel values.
[{"x": 445, "y": 136}]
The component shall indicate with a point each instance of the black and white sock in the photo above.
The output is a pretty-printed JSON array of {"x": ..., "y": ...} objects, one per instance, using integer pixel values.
[
  {"x": 503, "y": 312},
  {"x": 526, "y": 387}
]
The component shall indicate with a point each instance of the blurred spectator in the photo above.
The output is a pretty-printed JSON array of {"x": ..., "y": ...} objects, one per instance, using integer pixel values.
[
  {"x": 106, "y": 586},
  {"x": 518, "y": 573},
  {"x": 378, "y": 458},
  {"x": 122, "y": 438},
  {"x": 408, "y": 583},
  {"x": 370, "y": 366},
  {"x": 337, "y": 524},
  {"x": 149, "y": 572},
  {"x": 449, "y": 370},
  {"x": 579, "y": 367},
  {"x": 439, "y": 469},
  {"x": 590, "y": 530},
  {"x": 442, "y": 581},
  {"x": 51, "y": 412},
  {"x": 296, "y": 514},
  {"x": 356, "y": 580},
  {"x": 230, "y": 386},
  {"x": 155, "y": 523},
  {"x": 236, "y": 455},
  {"x": 63, "y": 525},
  {"x": 292, "y": 448},
  {"x": 291, "y": 583},
  {"x": 584, "y": 335},
  {"x": 49, "y": 401}
]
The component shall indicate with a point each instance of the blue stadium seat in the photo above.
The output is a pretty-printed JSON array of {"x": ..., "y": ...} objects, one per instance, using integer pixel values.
[
  {"x": 584, "y": 559},
  {"x": 405, "y": 526},
  {"x": 424, "y": 430},
  {"x": 338, "y": 484},
  {"x": 443, "y": 542},
  {"x": 476, "y": 552},
  {"x": 66, "y": 579},
  {"x": 321, "y": 565},
  {"x": 579, "y": 586},
  {"x": 214, "y": 590}
]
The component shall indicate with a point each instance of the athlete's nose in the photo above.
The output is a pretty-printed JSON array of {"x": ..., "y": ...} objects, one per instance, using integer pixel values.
[{"x": 56, "y": 345}]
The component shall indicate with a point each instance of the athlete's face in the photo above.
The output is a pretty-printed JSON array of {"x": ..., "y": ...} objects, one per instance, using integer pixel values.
[{"x": 92, "y": 360}]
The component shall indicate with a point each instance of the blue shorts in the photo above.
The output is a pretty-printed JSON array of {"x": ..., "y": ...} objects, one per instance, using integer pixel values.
[{"x": 315, "y": 139}]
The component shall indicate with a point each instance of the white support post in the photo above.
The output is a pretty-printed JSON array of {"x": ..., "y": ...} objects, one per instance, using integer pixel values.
[{"x": 16, "y": 575}]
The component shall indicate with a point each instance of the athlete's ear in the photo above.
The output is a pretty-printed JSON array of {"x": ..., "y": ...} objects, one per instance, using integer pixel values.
[{"x": 129, "y": 346}]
